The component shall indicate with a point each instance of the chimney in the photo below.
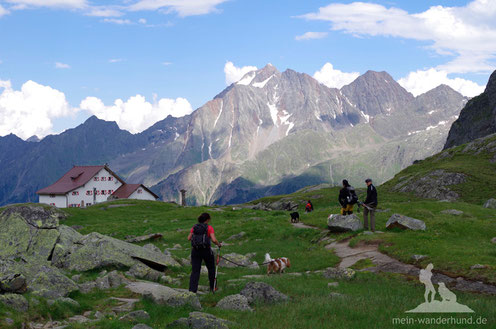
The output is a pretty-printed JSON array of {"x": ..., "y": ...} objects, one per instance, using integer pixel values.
[{"x": 183, "y": 197}]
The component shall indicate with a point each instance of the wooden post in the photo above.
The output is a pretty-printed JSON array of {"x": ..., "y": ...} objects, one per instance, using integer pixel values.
[{"x": 183, "y": 197}]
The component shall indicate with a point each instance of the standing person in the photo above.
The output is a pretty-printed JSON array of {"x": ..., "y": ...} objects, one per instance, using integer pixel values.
[
  {"x": 347, "y": 198},
  {"x": 309, "y": 206},
  {"x": 200, "y": 236},
  {"x": 370, "y": 205}
]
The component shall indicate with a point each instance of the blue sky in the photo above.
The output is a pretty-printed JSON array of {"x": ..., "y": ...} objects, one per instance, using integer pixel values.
[{"x": 109, "y": 50}]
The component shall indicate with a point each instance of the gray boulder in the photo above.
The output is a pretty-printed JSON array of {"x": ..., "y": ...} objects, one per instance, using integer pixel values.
[
  {"x": 141, "y": 271},
  {"x": 152, "y": 247},
  {"x": 347, "y": 223},
  {"x": 141, "y": 326},
  {"x": 14, "y": 283},
  {"x": 15, "y": 301},
  {"x": 339, "y": 273},
  {"x": 262, "y": 292},
  {"x": 135, "y": 316},
  {"x": 493, "y": 240},
  {"x": 491, "y": 203},
  {"x": 404, "y": 222},
  {"x": 41, "y": 278},
  {"x": 199, "y": 320},
  {"x": 165, "y": 295},
  {"x": 239, "y": 259},
  {"x": 237, "y": 236},
  {"x": 234, "y": 302},
  {"x": 96, "y": 251}
]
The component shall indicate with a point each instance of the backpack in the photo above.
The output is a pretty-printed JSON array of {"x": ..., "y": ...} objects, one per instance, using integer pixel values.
[
  {"x": 200, "y": 239},
  {"x": 353, "y": 197}
]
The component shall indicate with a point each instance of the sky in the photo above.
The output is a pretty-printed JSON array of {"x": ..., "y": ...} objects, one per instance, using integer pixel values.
[{"x": 137, "y": 61}]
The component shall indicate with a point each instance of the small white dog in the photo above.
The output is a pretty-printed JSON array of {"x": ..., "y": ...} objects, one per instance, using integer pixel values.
[{"x": 276, "y": 265}]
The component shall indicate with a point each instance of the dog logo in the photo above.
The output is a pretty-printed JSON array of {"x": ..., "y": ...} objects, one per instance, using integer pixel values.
[{"x": 447, "y": 304}]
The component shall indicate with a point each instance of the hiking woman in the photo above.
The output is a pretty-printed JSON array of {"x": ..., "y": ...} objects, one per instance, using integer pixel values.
[{"x": 200, "y": 236}]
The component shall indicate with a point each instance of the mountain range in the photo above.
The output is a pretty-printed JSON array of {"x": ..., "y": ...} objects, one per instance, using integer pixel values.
[{"x": 269, "y": 133}]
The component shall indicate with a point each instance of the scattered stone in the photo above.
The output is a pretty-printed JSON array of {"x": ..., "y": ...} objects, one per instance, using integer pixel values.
[
  {"x": 87, "y": 287},
  {"x": 404, "y": 222},
  {"x": 9, "y": 321},
  {"x": 77, "y": 227},
  {"x": 87, "y": 314},
  {"x": 239, "y": 259},
  {"x": 452, "y": 212},
  {"x": 478, "y": 267},
  {"x": 152, "y": 236},
  {"x": 336, "y": 295},
  {"x": 165, "y": 295},
  {"x": 418, "y": 258},
  {"x": 254, "y": 276},
  {"x": 125, "y": 304},
  {"x": 295, "y": 274},
  {"x": 141, "y": 326},
  {"x": 185, "y": 262},
  {"x": 102, "y": 273},
  {"x": 199, "y": 320},
  {"x": 333, "y": 284},
  {"x": 262, "y": 292},
  {"x": 493, "y": 240},
  {"x": 339, "y": 273},
  {"x": 491, "y": 203},
  {"x": 234, "y": 302},
  {"x": 237, "y": 236},
  {"x": 78, "y": 319},
  {"x": 368, "y": 232},
  {"x": 99, "y": 315},
  {"x": 76, "y": 277},
  {"x": 65, "y": 300},
  {"x": 142, "y": 271},
  {"x": 15, "y": 283},
  {"x": 15, "y": 301},
  {"x": 340, "y": 223},
  {"x": 135, "y": 316}
]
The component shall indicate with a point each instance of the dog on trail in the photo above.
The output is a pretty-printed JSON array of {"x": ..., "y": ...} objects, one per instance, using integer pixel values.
[
  {"x": 276, "y": 265},
  {"x": 295, "y": 217}
]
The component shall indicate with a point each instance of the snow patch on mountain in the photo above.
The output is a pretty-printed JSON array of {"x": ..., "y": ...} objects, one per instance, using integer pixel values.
[
  {"x": 247, "y": 79},
  {"x": 263, "y": 83}
]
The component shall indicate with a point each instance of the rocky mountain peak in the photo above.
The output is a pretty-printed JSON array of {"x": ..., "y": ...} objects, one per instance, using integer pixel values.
[
  {"x": 477, "y": 119},
  {"x": 377, "y": 93}
]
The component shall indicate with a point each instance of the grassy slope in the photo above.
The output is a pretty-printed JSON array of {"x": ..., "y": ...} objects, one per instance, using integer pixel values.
[{"x": 372, "y": 300}]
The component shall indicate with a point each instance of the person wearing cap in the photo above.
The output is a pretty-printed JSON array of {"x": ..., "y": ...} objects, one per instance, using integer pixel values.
[{"x": 370, "y": 205}]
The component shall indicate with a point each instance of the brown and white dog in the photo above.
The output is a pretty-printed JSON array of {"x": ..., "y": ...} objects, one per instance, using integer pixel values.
[{"x": 276, "y": 265}]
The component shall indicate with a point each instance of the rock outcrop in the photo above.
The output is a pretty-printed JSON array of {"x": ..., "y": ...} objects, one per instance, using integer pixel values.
[
  {"x": 347, "y": 223},
  {"x": 35, "y": 250},
  {"x": 234, "y": 302},
  {"x": 165, "y": 295},
  {"x": 477, "y": 119},
  {"x": 262, "y": 292},
  {"x": 404, "y": 222}
]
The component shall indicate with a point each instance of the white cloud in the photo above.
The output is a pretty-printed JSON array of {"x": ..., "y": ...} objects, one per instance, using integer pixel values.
[
  {"x": 334, "y": 78},
  {"x": 136, "y": 114},
  {"x": 30, "y": 111},
  {"x": 234, "y": 73},
  {"x": 466, "y": 33},
  {"x": 104, "y": 11},
  {"x": 311, "y": 35},
  {"x": 142, "y": 21},
  {"x": 59, "y": 65},
  {"x": 118, "y": 21},
  {"x": 422, "y": 81},
  {"x": 3, "y": 11},
  {"x": 183, "y": 7},
  {"x": 73, "y": 4},
  {"x": 166, "y": 63},
  {"x": 115, "y": 60}
]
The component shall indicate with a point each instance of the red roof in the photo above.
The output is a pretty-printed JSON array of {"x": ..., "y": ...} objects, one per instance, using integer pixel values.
[
  {"x": 74, "y": 178},
  {"x": 125, "y": 191}
]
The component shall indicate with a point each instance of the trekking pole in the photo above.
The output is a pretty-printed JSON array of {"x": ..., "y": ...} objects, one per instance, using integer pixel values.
[{"x": 216, "y": 270}]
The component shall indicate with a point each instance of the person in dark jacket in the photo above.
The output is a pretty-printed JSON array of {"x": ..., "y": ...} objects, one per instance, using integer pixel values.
[
  {"x": 202, "y": 253},
  {"x": 370, "y": 205},
  {"x": 345, "y": 197}
]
